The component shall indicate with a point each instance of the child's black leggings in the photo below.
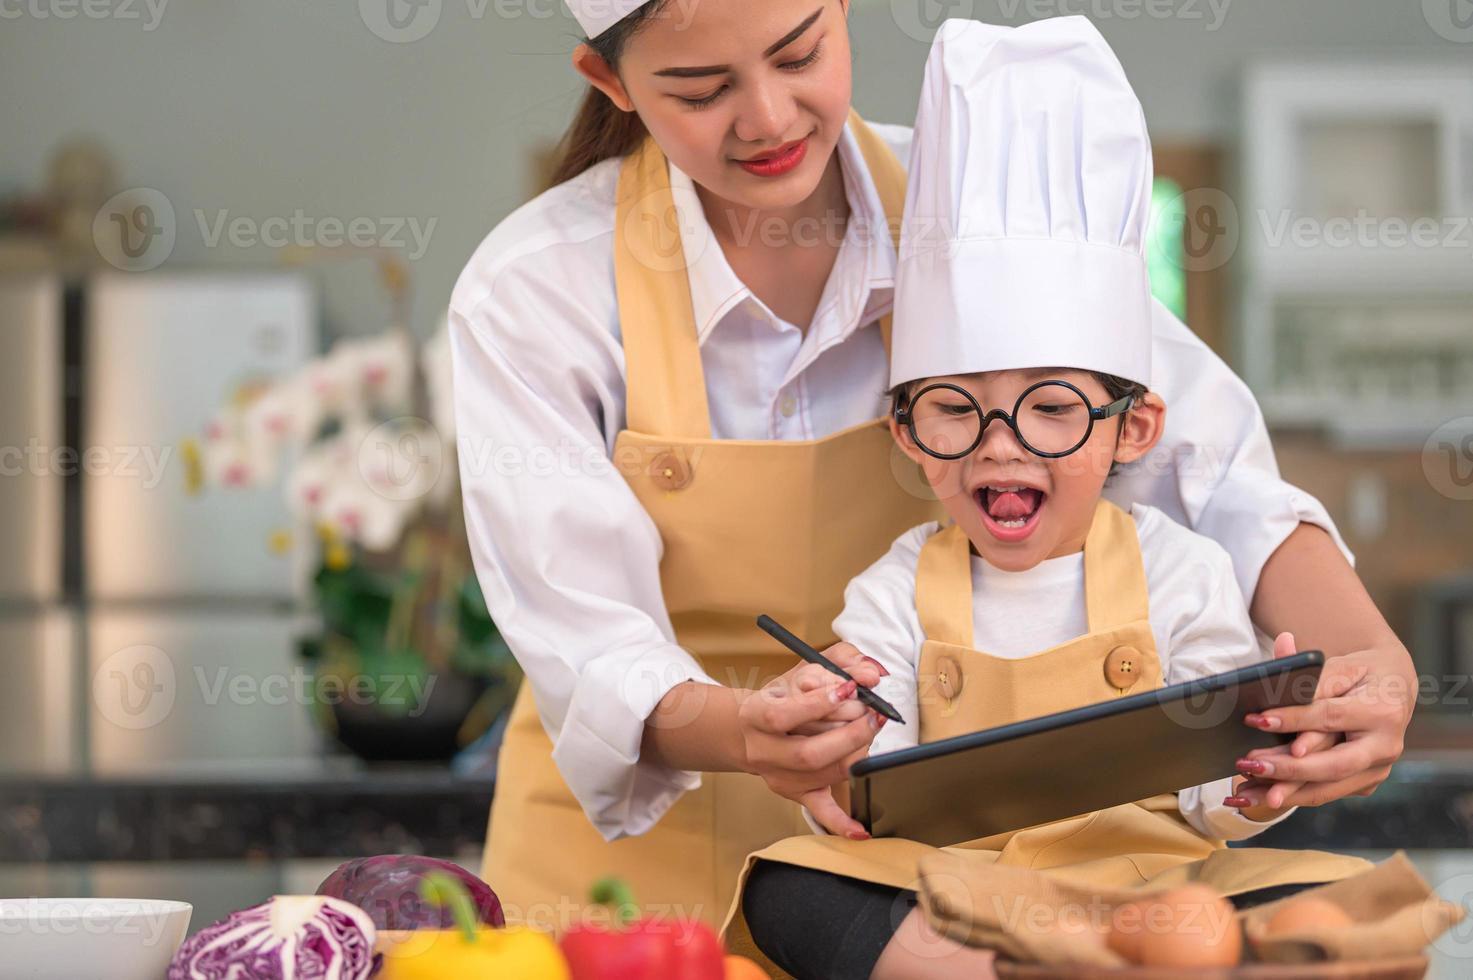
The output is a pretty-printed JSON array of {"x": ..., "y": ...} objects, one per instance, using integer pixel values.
[{"x": 821, "y": 926}]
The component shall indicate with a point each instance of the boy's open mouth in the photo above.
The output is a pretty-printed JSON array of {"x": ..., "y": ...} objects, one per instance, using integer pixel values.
[{"x": 1010, "y": 511}]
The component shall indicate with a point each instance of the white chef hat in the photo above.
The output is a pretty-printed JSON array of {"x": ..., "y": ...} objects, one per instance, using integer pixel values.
[
  {"x": 597, "y": 16},
  {"x": 1025, "y": 218}
]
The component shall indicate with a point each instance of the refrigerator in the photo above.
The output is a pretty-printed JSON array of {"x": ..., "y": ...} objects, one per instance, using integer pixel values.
[{"x": 144, "y": 629}]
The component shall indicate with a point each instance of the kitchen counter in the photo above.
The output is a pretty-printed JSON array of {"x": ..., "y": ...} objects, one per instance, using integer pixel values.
[
  {"x": 1426, "y": 804},
  {"x": 338, "y": 809},
  {"x": 345, "y": 809}
]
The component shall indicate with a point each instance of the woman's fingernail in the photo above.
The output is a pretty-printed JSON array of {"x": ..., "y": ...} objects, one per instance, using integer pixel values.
[
  {"x": 878, "y": 666},
  {"x": 1237, "y": 801},
  {"x": 857, "y": 835},
  {"x": 1269, "y": 723},
  {"x": 843, "y": 692},
  {"x": 1253, "y": 767}
]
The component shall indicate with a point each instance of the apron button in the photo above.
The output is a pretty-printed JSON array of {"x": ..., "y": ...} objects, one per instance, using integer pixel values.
[
  {"x": 1123, "y": 667},
  {"x": 670, "y": 472},
  {"x": 949, "y": 677}
]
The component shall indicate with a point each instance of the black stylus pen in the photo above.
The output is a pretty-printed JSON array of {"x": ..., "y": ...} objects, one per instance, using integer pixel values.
[{"x": 781, "y": 635}]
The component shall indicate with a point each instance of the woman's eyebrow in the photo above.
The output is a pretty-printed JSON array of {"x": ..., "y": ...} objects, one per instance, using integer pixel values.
[{"x": 706, "y": 70}]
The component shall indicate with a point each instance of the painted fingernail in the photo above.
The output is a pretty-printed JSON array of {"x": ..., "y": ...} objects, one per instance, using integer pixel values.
[
  {"x": 878, "y": 666},
  {"x": 1253, "y": 767},
  {"x": 843, "y": 692},
  {"x": 1237, "y": 801},
  {"x": 857, "y": 835},
  {"x": 875, "y": 721},
  {"x": 1269, "y": 723}
]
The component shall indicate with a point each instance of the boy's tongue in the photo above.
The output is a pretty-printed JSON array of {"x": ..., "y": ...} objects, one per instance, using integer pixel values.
[{"x": 1011, "y": 506}]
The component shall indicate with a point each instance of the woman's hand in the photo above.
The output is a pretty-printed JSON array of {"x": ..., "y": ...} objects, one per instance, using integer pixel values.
[
  {"x": 1366, "y": 698},
  {"x": 803, "y": 731}
]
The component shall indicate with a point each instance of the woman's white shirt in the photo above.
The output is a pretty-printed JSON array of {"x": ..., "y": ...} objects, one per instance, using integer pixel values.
[
  {"x": 1199, "y": 621},
  {"x": 569, "y": 560}
]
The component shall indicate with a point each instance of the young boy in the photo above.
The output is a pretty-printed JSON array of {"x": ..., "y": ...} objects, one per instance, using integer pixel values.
[{"x": 1020, "y": 374}]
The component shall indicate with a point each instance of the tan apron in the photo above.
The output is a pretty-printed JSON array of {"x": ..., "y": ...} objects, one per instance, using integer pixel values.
[
  {"x": 748, "y": 527},
  {"x": 1147, "y": 843}
]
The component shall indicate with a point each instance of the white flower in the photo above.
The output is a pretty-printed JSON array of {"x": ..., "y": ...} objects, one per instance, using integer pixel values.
[
  {"x": 358, "y": 514},
  {"x": 379, "y": 370},
  {"x": 324, "y": 465}
]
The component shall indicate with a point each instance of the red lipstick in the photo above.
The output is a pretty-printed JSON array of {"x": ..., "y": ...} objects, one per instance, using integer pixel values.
[{"x": 778, "y": 162}]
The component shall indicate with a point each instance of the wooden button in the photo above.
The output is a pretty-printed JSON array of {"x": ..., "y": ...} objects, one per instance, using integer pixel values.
[
  {"x": 670, "y": 472},
  {"x": 1123, "y": 667},
  {"x": 949, "y": 677}
]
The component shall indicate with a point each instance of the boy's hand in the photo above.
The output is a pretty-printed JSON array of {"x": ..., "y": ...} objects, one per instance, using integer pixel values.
[{"x": 830, "y": 807}]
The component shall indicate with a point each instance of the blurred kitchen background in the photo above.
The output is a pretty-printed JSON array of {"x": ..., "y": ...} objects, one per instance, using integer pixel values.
[{"x": 228, "y": 232}]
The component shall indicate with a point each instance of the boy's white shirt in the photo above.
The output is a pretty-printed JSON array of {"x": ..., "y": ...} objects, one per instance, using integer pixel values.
[{"x": 1199, "y": 620}]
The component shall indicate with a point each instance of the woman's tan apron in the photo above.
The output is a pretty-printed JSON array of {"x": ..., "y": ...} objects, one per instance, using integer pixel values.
[
  {"x": 961, "y": 690},
  {"x": 748, "y": 527}
]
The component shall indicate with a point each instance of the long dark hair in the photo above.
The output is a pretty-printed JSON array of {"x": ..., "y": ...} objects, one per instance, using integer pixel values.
[{"x": 602, "y": 130}]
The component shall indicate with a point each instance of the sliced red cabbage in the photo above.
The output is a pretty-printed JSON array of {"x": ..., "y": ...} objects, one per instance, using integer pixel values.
[{"x": 288, "y": 938}]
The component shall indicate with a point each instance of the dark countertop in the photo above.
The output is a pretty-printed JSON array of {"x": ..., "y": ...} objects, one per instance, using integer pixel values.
[
  {"x": 344, "y": 809},
  {"x": 340, "y": 809},
  {"x": 1426, "y": 804}
]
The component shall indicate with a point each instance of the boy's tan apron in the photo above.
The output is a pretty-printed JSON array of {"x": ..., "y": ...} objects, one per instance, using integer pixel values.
[
  {"x": 748, "y": 527},
  {"x": 961, "y": 690}
]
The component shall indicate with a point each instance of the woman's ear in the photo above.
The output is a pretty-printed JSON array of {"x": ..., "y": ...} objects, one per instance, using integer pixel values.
[
  {"x": 1140, "y": 428},
  {"x": 591, "y": 65}
]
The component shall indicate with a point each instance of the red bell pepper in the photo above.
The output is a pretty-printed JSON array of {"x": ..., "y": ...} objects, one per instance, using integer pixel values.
[{"x": 637, "y": 948}]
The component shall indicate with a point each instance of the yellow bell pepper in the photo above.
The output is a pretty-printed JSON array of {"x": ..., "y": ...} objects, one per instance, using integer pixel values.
[
  {"x": 446, "y": 954},
  {"x": 468, "y": 952}
]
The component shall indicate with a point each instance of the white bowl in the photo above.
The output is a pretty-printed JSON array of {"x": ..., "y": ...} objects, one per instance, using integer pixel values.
[{"x": 101, "y": 938}]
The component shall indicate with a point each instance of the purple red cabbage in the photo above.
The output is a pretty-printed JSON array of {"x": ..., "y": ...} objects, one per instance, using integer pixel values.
[
  {"x": 287, "y": 938},
  {"x": 387, "y": 888}
]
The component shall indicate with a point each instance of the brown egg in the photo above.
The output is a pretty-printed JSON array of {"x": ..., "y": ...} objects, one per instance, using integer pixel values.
[
  {"x": 1188, "y": 927},
  {"x": 1127, "y": 923},
  {"x": 1307, "y": 914}
]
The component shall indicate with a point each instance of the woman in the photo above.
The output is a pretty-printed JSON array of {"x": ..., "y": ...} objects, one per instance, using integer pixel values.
[{"x": 652, "y": 361}]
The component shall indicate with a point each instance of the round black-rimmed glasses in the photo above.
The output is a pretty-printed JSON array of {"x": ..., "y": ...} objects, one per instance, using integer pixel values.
[{"x": 1051, "y": 419}]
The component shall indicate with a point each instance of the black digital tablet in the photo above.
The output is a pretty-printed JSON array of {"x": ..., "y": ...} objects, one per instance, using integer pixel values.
[{"x": 1071, "y": 762}]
